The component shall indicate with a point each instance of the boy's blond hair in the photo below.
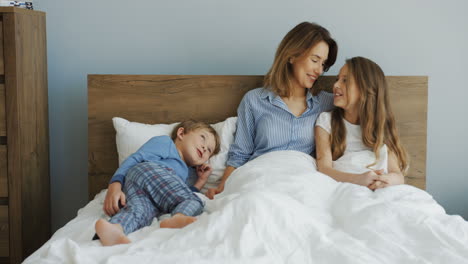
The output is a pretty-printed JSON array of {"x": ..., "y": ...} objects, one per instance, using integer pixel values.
[{"x": 191, "y": 125}]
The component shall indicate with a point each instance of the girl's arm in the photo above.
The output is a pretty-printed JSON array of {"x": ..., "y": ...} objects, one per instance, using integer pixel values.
[
  {"x": 325, "y": 162},
  {"x": 393, "y": 177}
]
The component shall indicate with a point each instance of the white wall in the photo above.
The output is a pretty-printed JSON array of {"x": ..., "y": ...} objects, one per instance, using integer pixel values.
[{"x": 406, "y": 37}]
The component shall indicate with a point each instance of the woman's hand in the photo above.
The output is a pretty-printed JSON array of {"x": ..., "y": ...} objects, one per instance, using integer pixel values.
[
  {"x": 213, "y": 191},
  {"x": 113, "y": 196}
]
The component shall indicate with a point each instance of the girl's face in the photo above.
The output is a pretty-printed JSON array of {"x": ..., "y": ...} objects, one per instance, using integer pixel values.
[
  {"x": 308, "y": 67},
  {"x": 346, "y": 92}
]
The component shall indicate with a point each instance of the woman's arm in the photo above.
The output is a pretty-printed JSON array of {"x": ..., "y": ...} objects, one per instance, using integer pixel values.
[
  {"x": 325, "y": 162},
  {"x": 243, "y": 146},
  {"x": 213, "y": 191}
]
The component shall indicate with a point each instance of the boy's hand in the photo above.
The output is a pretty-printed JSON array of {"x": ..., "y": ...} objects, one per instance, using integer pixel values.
[
  {"x": 113, "y": 196},
  {"x": 203, "y": 171}
]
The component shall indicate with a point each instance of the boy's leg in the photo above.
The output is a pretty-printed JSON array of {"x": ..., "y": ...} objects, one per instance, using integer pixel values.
[
  {"x": 177, "y": 221},
  {"x": 140, "y": 210},
  {"x": 138, "y": 213},
  {"x": 110, "y": 234},
  {"x": 170, "y": 194}
]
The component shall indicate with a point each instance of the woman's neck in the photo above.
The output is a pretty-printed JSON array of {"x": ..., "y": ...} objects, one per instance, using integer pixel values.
[{"x": 297, "y": 93}]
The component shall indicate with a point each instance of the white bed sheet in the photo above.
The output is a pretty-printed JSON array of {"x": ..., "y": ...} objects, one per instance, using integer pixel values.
[{"x": 279, "y": 209}]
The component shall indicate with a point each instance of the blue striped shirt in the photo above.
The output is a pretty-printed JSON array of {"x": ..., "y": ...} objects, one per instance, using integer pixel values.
[{"x": 265, "y": 124}]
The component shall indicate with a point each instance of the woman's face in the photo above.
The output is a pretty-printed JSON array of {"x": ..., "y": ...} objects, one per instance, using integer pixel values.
[
  {"x": 308, "y": 67},
  {"x": 346, "y": 92}
]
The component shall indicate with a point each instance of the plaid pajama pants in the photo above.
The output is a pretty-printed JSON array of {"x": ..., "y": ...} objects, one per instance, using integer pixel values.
[{"x": 151, "y": 190}]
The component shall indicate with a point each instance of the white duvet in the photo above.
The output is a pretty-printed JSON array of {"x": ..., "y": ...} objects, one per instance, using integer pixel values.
[{"x": 279, "y": 209}]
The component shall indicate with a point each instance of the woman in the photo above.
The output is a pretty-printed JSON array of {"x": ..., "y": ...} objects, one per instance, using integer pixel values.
[{"x": 282, "y": 114}]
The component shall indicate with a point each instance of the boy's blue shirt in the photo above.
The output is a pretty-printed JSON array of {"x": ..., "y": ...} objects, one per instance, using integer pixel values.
[{"x": 161, "y": 150}]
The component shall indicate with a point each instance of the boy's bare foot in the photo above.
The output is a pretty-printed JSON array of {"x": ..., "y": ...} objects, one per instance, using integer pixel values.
[
  {"x": 177, "y": 221},
  {"x": 110, "y": 234}
]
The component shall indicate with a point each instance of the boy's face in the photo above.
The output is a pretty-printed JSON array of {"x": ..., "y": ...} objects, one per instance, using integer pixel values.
[{"x": 196, "y": 146}]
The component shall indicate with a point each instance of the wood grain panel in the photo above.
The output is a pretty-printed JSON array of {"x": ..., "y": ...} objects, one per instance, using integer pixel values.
[
  {"x": 153, "y": 99},
  {"x": 2, "y": 64},
  {"x": 3, "y": 172},
  {"x": 2, "y": 111},
  {"x": 171, "y": 98},
  {"x": 4, "y": 232},
  {"x": 27, "y": 126}
]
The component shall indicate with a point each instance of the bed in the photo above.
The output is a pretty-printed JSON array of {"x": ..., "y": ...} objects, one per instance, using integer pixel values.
[{"x": 276, "y": 208}]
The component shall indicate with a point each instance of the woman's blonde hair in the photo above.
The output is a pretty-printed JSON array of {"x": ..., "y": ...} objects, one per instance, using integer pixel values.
[
  {"x": 375, "y": 114},
  {"x": 297, "y": 42}
]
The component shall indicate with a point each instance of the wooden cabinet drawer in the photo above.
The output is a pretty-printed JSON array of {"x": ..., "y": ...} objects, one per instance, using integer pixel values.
[
  {"x": 4, "y": 231},
  {"x": 2, "y": 112},
  {"x": 2, "y": 65},
  {"x": 3, "y": 172}
]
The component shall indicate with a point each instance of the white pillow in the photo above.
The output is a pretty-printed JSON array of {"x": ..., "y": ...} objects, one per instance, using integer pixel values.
[{"x": 132, "y": 135}]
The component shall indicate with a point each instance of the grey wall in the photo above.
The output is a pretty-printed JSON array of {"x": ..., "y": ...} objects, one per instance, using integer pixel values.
[{"x": 240, "y": 37}]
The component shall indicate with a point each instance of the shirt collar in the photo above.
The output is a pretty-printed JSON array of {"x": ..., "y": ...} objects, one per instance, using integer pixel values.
[{"x": 267, "y": 93}]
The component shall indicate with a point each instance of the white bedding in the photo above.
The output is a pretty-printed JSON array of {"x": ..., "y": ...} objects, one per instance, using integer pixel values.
[{"x": 279, "y": 209}]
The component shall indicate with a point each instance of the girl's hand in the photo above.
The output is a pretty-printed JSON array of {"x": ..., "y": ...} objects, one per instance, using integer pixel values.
[
  {"x": 213, "y": 191},
  {"x": 367, "y": 178},
  {"x": 113, "y": 196},
  {"x": 378, "y": 184},
  {"x": 386, "y": 180}
]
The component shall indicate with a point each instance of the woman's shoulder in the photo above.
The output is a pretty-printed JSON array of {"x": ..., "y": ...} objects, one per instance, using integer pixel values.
[
  {"x": 325, "y": 95},
  {"x": 256, "y": 94},
  {"x": 324, "y": 100}
]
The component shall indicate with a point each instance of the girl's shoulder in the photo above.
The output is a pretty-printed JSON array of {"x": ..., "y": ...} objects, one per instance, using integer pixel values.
[
  {"x": 324, "y": 121},
  {"x": 326, "y": 116}
]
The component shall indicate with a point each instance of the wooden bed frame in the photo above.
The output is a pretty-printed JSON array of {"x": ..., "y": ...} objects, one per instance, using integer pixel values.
[{"x": 156, "y": 99}]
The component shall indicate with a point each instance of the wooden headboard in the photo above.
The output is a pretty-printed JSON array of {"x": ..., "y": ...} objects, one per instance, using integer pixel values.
[{"x": 170, "y": 98}]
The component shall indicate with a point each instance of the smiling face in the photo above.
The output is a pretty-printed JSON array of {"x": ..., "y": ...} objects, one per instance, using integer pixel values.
[
  {"x": 346, "y": 92},
  {"x": 308, "y": 67},
  {"x": 196, "y": 146}
]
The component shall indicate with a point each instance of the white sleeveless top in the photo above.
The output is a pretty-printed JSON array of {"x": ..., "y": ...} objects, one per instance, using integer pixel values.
[{"x": 356, "y": 152}]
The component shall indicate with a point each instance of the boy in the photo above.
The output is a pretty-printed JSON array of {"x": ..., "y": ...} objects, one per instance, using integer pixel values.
[{"x": 154, "y": 182}]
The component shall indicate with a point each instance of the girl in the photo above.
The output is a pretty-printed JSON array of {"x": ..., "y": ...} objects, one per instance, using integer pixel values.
[{"x": 362, "y": 120}]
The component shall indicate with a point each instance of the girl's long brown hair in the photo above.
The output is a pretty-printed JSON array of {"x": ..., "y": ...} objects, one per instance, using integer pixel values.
[
  {"x": 375, "y": 114},
  {"x": 296, "y": 43}
]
